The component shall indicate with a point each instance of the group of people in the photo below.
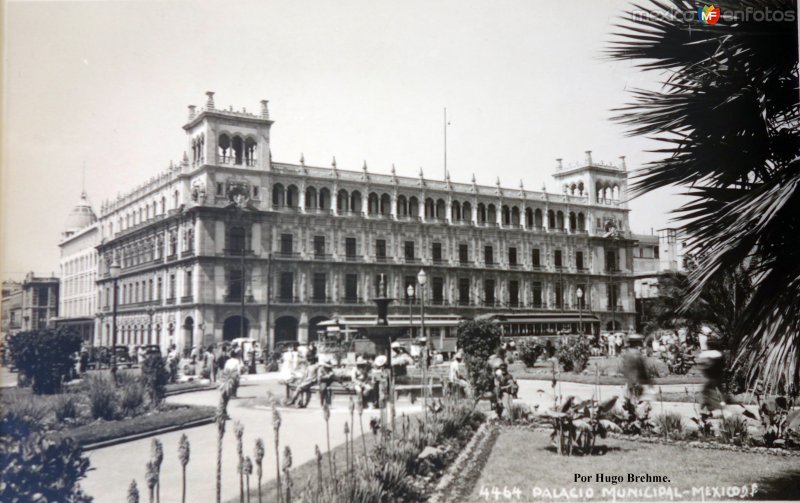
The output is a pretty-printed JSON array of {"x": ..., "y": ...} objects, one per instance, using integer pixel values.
[{"x": 612, "y": 344}]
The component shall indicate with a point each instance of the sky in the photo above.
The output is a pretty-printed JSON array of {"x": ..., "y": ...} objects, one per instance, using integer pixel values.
[{"x": 106, "y": 85}]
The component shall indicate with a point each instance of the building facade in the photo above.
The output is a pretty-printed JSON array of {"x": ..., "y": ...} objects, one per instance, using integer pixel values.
[
  {"x": 11, "y": 308},
  {"x": 39, "y": 302},
  {"x": 653, "y": 256},
  {"x": 78, "y": 270},
  {"x": 228, "y": 242}
]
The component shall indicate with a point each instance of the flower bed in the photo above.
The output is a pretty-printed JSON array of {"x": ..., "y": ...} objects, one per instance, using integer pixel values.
[{"x": 101, "y": 433}]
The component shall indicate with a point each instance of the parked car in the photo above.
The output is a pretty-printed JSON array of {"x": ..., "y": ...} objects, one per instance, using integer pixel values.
[
  {"x": 122, "y": 356},
  {"x": 151, "y": 349}
]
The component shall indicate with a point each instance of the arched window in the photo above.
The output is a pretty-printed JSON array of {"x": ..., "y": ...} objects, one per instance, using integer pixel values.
[
  {"x": 551, "y": 219},
  {"x": 455, "y": 211},
  {"x": 581, "y": 222},
  {"x": 386, "y": 204},
  {"x": 238, "y": 149},
  {"x": 402, "y": 206},
  {"x": 324, "y": 199},
  {"x": 278, "y": 196},
  {"x": 430, "y": 209},
  {"x": 441, "y": 209},
  {"x": 506, "y": 215},
  {"x": 372, "y": 204},
  {"x": 224, "y": 144},
  {"x": 481, "y": 213},
  {"x": 355, "y": 202},
  {"x": 515, "y": 216},
  {"x": 466, "y": 212},
  {"x": 528, "y": 218},
  {"x": 311, "y": 198},
  {"x": 250, "y": 151},
  {"x": 573, "y": 221},
  {"x": 291, "y": 196},
  {"x": 413, "y": 207},
  {"x": 343, "y": 201},
  {"x": 538, "y": 218},
  {"x": 175, "y": 200},
  {"x": 491, "y": 214},
  {"x": 560, "y": 220}
]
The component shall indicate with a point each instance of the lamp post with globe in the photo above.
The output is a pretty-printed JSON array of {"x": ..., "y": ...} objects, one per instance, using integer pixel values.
[
  {"x": 579, "y": 294},
  {"x": 410, "y": 293},
  {"x": 422, "y": 278},
  {"x": 114, "y": 272}
]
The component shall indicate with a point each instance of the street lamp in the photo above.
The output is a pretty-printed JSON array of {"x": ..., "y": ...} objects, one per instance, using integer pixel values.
[
  {"x": 579, "y": 294},
  {"x": 151, "y": 311},
  {"x": 113, "y": 272},
  {"x": 422, "y": 278},
  {"x": 410, "y": 292}
]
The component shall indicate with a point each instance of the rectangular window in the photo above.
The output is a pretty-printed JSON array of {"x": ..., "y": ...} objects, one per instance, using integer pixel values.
[
  {"x": 536, "y": 260},
  {"x": 351, "y": 287},
  {"x": 488, "y": 255},
  {"x": 187, "y": 287},
  {"x": 318, "y": 287},
  {"x": 220, "y": 189},
  {"x": 513, "y": 293},
  {"x": 319, "y": 246},
  {"x": 512, "y": 256},
  {"x": 463, "y": 253},
  {"x": 559, "y": 295},
  {"x": 235, "y": 284},
  {"x": 438, "y": 291},
  {"x": 286, "y": 291},
  {"x": 612, "y": 262},
  {"x": 350, "y": 247},
  {"x": 488, "y": 292},
  {"x": 160, "y": 289},
  {"x": 380, "y": 249},
  {"x": 286, "y": 244},
  {"x": 43, "y": 296},
  {"x": 613, "y": 296},
  {"x": 537, "y": 294},
  {"x": 463, "y": 291},
  {"x": 150, "y": 290},
  {"x": 171, "y": 286},
  {"x": 436, "y": 252},
  {"x": 557, "y": 259},
  {"x": 409, "y": 250},
  {"x": 655, "y": 252}
]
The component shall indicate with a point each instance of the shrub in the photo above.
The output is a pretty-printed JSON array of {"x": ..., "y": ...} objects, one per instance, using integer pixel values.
[
  {"x": 155, "y": 377},
  {"x": 669, "y": 425},
  {"x": 573, "y": 353},
  {"x": 100, "y": 390},
  {"x": 479, "y": 339},
  {"x": 39, "y": 468},
  {"x": 45, "y": 357},
  {"x": 131, "y": 398},
  {"x": 65, "y": 407},
  {"x": 26, "y": 412},
  {"x": 529, "y": 352},
  {"x": 733, "y": 429}
]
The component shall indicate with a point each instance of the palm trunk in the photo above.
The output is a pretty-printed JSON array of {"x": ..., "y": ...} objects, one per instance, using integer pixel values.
[
  {"x": 328, "y": 435},
  {"x": 183, "y": 488},
  {"x": 278, "y": 470},
  {"x": 219, "y": 465}
]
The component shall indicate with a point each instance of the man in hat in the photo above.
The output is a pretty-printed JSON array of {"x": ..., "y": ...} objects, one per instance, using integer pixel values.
[
  {"x": 362, "y": 381},
  {"x": 456, "y": 378},
  {"x": 504, "y": 384},
  {"x": 320, "y": 374},
  {"x": 380, "y": 379}
]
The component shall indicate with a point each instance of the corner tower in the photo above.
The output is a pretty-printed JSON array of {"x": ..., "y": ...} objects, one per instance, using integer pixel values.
[
  {"x": 603, "y": 183},
  {"x": 230, "y": 137}
]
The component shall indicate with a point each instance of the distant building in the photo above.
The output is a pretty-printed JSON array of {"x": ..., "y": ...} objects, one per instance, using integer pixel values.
[
  {"x": 653, "y": 256},
  {"x": 228, "y": 243},
  {"x": 78, "y": 270},
  {"x": 11, "y": 308},
  {"x": 39, "y": 302}
]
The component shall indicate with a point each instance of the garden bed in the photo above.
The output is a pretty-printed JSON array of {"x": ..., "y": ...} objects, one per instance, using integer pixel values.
[
  {"x": 693, "y": 474},
  {"x": 169, "y": 417}
]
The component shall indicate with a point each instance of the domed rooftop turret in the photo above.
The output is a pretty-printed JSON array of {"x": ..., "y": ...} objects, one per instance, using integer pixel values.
[{"x": 81, "y": 216}]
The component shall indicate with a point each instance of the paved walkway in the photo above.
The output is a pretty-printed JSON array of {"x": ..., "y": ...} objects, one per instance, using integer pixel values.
[{"x": 114, "y": 467}]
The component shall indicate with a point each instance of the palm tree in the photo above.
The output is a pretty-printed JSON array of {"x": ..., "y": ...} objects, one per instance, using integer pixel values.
[
  {"x": 728, "y": 117},
  {"x": 238, "y": 432},
  {"x": 157, "y": 453},
  {"x": 133, "y": 492},
  {"x": 259, "y": 457},
  {"x": 276, "y": 428},
  {"x": 220, "y": 418},
  {"x": 151, "y": 477},
  {"x": 183, "y": 456}
]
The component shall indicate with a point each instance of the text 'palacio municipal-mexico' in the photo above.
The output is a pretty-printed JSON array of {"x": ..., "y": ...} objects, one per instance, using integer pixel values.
[{"x": 230, "y": 231}]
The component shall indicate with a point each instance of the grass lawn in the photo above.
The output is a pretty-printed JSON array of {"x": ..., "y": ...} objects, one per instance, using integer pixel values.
[{"x": 525, "y": 460}]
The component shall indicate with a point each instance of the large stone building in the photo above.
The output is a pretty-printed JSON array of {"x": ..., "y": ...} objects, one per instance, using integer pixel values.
[
  {"x": 654, "y": 255},
  {"x": 78, "y": 270},
  {"x": 11, "y": 308},
  {"x": 228, "y": 240},
  {"x": 39, "y": 302}
]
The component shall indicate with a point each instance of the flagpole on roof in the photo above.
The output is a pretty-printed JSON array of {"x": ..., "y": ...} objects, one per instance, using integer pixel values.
[{"x": 445, "y": 143}]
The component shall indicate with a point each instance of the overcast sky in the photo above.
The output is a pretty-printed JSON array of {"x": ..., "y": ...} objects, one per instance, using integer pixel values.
[{"x": 107, "y": 84}]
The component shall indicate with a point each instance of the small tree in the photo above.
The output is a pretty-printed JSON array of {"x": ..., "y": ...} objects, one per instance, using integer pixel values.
[
  {"x": 529, "y": 352},
  {"x": 479, "y": 339},
  {"x": 155, "y": 377},
  {"x": 45, "y": 357}
]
